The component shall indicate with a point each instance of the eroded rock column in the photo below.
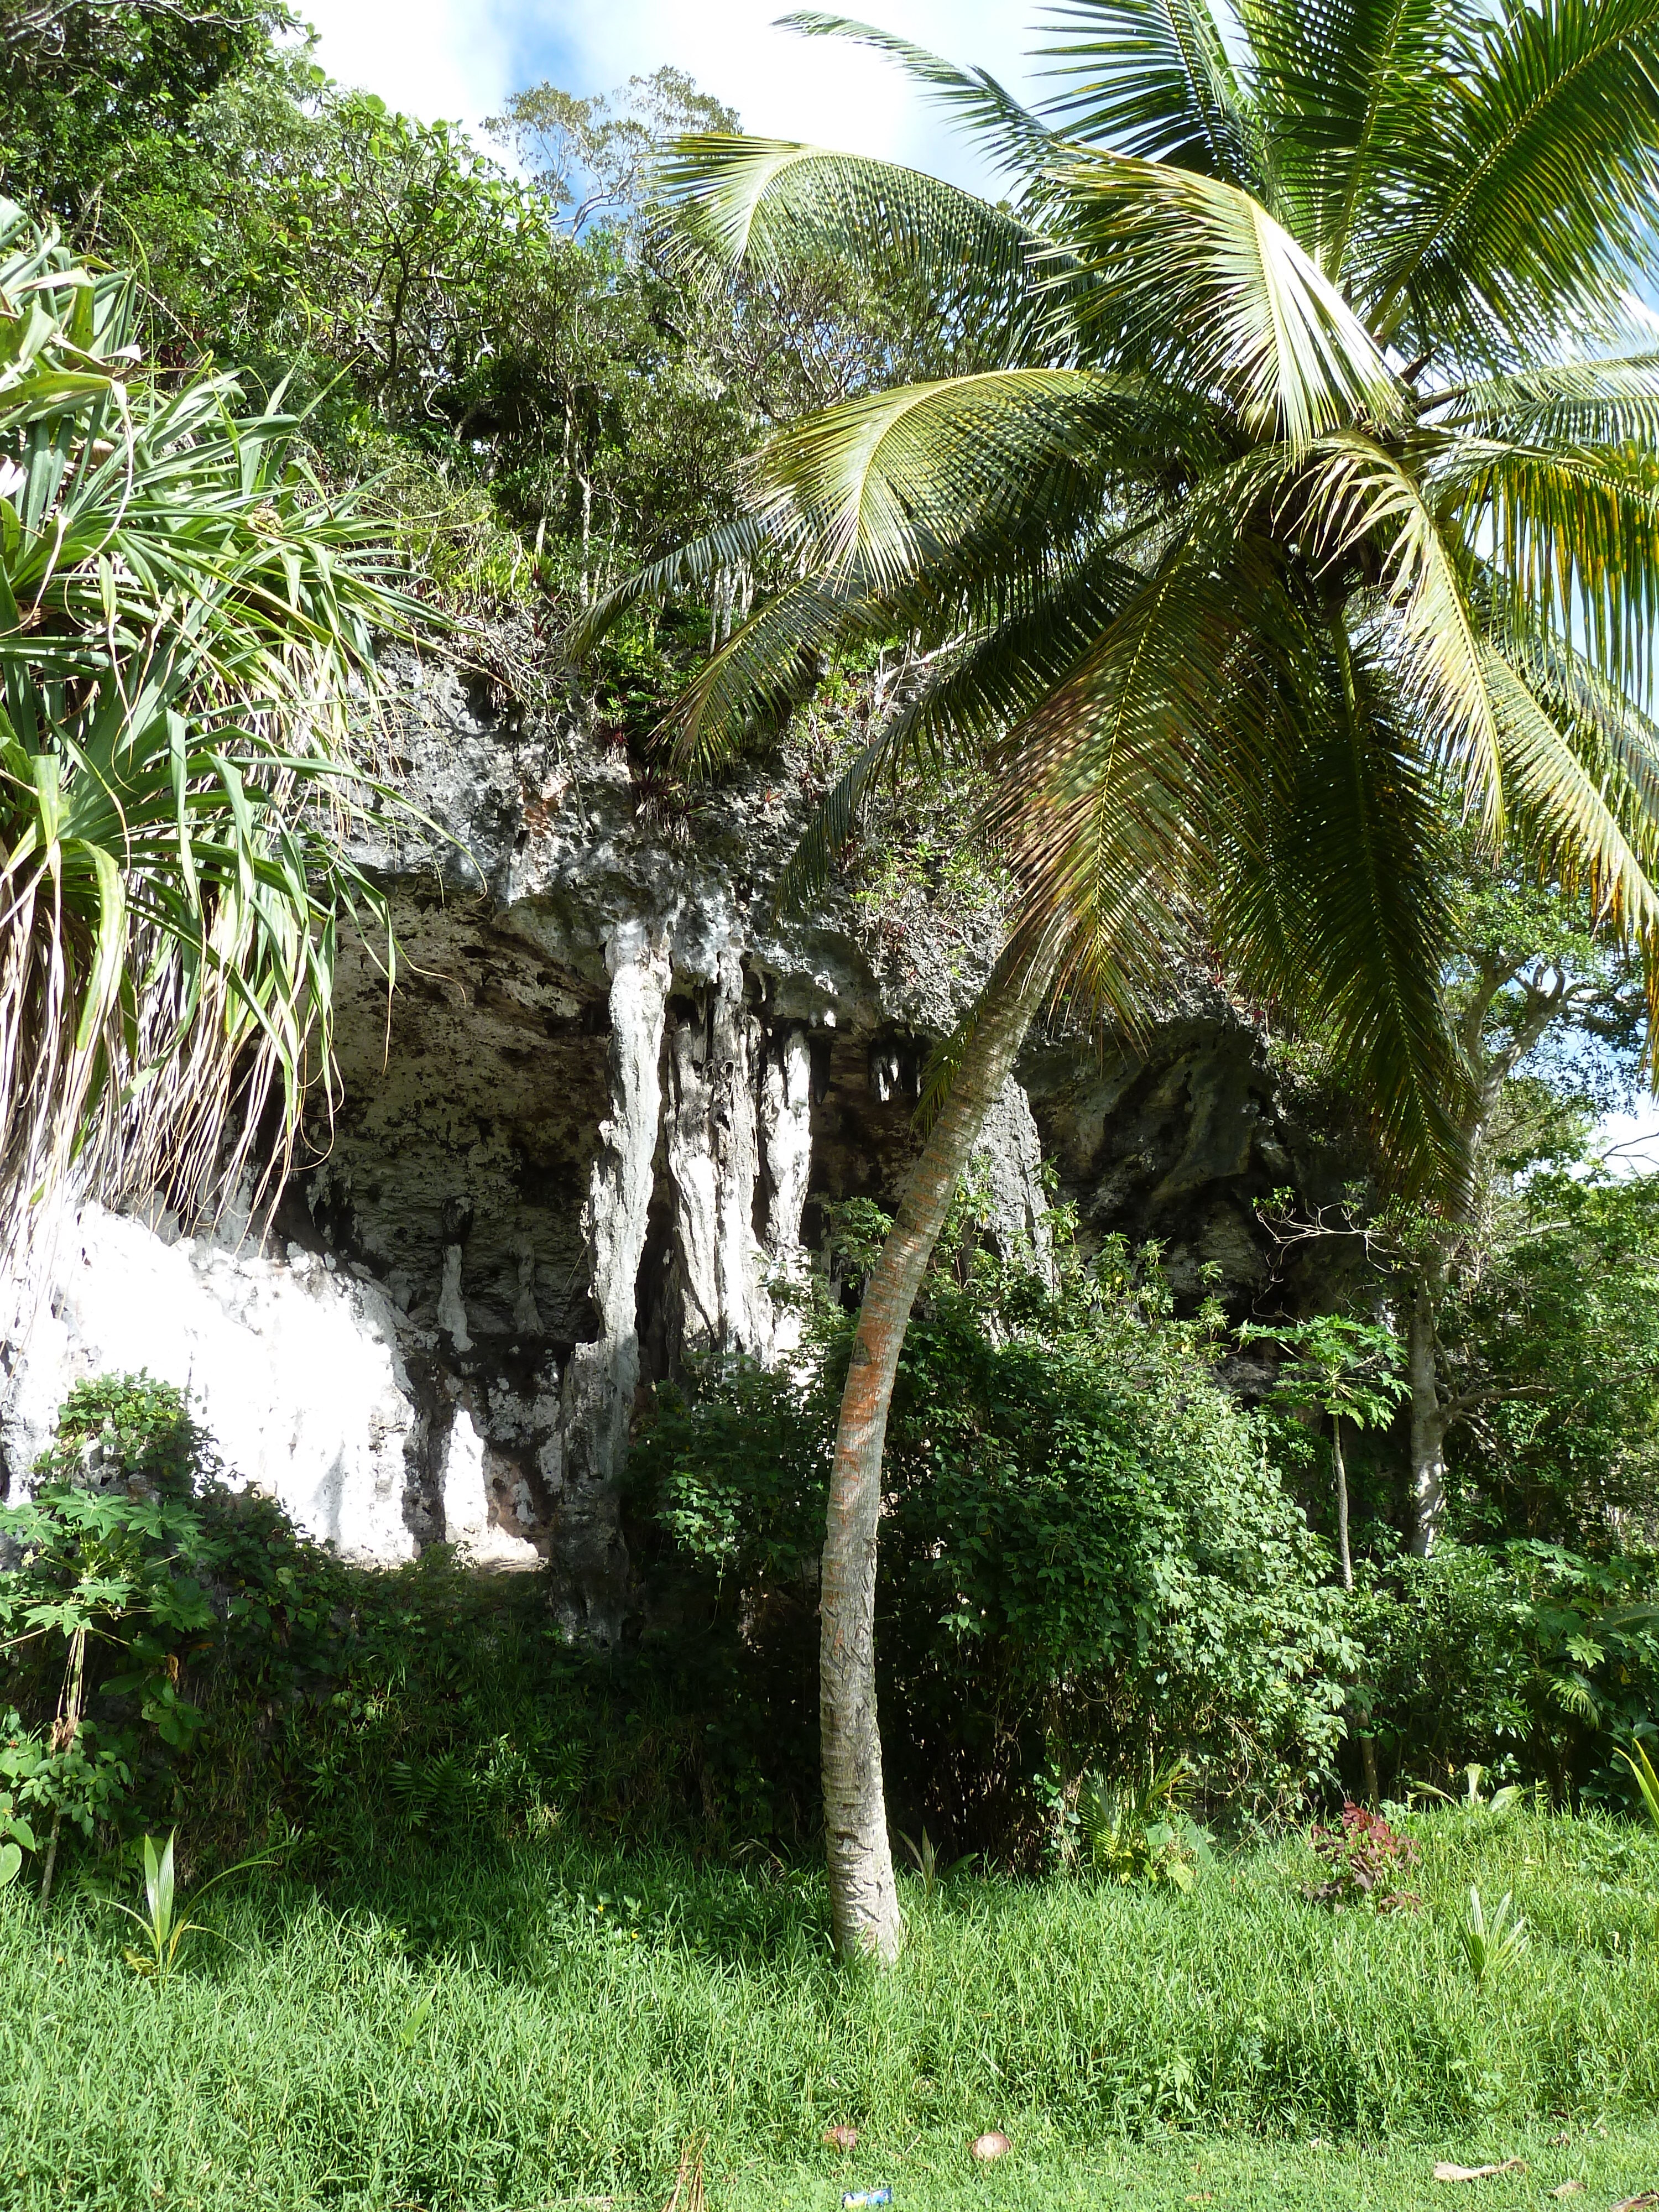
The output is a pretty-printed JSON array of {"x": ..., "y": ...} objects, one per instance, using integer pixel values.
[
  {"x": 785, "y": 1111},
  {"x": 602, "y": 1377},
  {"x": 714, "y": 1165},
  {"x": 1009, "y": 1155}
]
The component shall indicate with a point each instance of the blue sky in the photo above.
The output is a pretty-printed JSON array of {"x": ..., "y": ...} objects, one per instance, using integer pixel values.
[{"x": 459, "y": 58}]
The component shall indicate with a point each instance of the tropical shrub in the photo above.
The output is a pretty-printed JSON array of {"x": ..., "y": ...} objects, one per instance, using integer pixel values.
[
  {"x": 185, "y": 614},
  {"x": 1086, "y": 1553},
  {"x": 1366, "y": 1863},
  {"x": 172, "y": 1650},
  {"x": 1535, "y": 1661}
]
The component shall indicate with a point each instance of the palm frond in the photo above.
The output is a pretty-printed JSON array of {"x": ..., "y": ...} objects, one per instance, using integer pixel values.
[
  {"x": 951, "y": 707},
  {"x": 1354, "y": 492},
  {"x": 1531, "y": 202},
  {"x": 1204, "y": 285},
  {"x": 1563, "y": 810},
  {"x": 1611, "y": 402},
  {"x": 1153, "y": 79},
  {"x": 1615, "y": 736},
  {"x": 1017, "y": 142},
  {"x": 1095, "y": 791},
  {"x": 726, "y": 550},
  {"x": 1337, "y": 902},
  {"x": 768, "y": 665},
  {"x": 889, "y": 484},
  {"x": 1572, "y": 532},
  {"x": 1345, "y": 90},
  {"x": 770, "y": 204}
]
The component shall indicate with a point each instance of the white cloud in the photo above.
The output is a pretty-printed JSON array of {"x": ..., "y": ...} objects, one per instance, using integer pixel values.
[
  {"x": 461, "y": 57},
  {"x": 449, "y": 58}
]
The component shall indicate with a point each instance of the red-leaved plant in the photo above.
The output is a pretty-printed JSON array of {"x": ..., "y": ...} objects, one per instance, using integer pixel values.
[{"x": 1367, "y": 1861}]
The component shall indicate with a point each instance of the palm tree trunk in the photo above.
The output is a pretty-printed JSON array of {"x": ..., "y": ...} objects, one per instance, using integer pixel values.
[
  {"x": 863, "y": 1897},
  {"x": 1428, "y": 1425}
]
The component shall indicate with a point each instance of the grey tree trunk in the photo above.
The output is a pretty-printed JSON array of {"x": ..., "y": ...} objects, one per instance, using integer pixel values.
[
  {"x": 1428, "y": 1424},
  {"x": 863, "y": 1896},
  {"x": 1343, "y": 1553},
  {"x": 1345, "y": 1557}
]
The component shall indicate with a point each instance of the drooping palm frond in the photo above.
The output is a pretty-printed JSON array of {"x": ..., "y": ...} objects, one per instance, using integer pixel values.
[
  {"x": 1617, "y": 740},
  {"x": 181, "y": 617},
  {"x": 949, "y": 708},
  {"x": 1573, "y": 532},
  {"x": 1017, "y": 142},
  {"x": 1609, "y": 402},
  {"x": 1355, "y": 494},
  {"x": 769, "y": 663},
  {"x": 770, "y": 205},
  {"x": 726, "y": 550},
  {"x": 893, "y": 485},
  {"x": 1096, "y": 787},
  {"x": 1335, "y": 899},
  {"x": 1569, "y": 814}
]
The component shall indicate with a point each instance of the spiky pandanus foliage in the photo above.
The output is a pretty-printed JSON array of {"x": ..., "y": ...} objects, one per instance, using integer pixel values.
[
  {"x": 182, "y": 616},
  {"x": 1303, "y": 505}
]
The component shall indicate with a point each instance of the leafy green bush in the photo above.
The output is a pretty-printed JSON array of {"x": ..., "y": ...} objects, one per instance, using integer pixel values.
[
  {"x": 175, "y": 1651},
  {"x": 1085, "y": 1555},
  {"x": 1527, "y": 1659}
]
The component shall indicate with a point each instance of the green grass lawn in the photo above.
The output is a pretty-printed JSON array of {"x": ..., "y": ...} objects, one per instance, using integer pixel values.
[{"x": 545, "y": 2022}]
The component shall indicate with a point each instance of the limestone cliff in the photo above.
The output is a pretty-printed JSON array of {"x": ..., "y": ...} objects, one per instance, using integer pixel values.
[{"x": 595, "y": 1126}]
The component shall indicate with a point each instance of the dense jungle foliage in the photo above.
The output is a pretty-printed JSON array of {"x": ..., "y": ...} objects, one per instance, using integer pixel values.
[{"x": 1094, "y": 1558}]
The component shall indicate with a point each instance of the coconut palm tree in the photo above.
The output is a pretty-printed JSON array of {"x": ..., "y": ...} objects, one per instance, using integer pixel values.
[
  {"x": 182, "y": 612},
  {"x": 1300, "y": 502}
]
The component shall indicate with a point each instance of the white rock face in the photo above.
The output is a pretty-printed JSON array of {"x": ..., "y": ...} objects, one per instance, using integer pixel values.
[
  {"x": 295, "y": 1370},
  {"x": 591, "y": 1131},
  {"x": 467, "y": 1523}
]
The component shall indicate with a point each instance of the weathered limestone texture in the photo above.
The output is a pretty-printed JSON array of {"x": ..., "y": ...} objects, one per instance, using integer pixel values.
[
  {"x": 596, "y": 1131},
  {"x": 294, "y": 1364},
  {"x": 602, "y": 1376}
]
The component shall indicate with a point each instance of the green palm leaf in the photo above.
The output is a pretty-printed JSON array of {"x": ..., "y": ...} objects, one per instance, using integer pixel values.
[
  {"x": 892, "y": 484},
  {"x": 1337, "y": 903},
  {"x": 1573, "y": 532},
  {"x": 1585, "y": 403},
  {"x": 1555, "y": 107},
  {"x": 1345, "y": 90},
  {"x": 1196, "y": 277},
  {"x": 770, "y": 204},
  {"x": 1016, "y": 140},
  {"x": 1152, "y": 78}
]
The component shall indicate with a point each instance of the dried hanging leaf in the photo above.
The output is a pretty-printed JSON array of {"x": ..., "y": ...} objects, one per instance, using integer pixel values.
[{"x": 1444, "y": 2171}]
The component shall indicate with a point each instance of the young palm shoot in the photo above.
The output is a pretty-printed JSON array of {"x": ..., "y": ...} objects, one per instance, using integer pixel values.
[
  {"x": 163, "y": 1920},
  {"x": 1491, "y": 1948}
]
